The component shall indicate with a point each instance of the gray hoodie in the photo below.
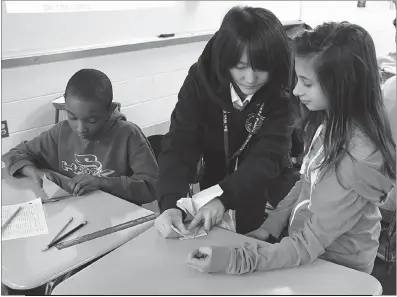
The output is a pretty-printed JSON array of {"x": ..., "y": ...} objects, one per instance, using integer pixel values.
[
  {"x": 333, "y": 215},
  {"x": 120, "y": 152}
]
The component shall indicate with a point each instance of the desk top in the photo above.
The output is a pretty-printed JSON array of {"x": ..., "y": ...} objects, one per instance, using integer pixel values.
[
  {"x": 25, "y": 266},
  {"x": 153, "y": 265}
]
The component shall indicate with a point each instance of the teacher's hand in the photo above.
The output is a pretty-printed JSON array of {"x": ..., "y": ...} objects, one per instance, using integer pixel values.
[
  {"x": 171, "y": 217},
  {"x": 210, "y": 214}
]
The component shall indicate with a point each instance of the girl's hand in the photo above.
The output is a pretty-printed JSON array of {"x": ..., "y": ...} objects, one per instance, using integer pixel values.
[
  {"x": 165, "y": 221},
  {"x": 210, "y": 214},
  {"x": 210, "y": 259}
]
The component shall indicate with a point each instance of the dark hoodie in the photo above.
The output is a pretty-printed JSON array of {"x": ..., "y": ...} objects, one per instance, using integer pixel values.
[
  {"x": 197, "y": 129},
  {"x": 121, "y": 153}
]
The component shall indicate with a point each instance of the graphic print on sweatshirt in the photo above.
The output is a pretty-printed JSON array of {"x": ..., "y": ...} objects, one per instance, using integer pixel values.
[{"x": 86, "y": 164}]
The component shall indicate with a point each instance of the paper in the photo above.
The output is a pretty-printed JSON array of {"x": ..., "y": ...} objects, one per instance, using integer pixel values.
[
  {"x": 30, "y": 221},
  {"x": 52, "y": 190},
  {"x": 193, "y": 205},
  {"x": 200, "y": 232}
]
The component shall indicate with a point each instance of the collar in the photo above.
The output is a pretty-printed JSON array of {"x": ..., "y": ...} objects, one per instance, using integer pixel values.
[{"x": 236, "y": 100}]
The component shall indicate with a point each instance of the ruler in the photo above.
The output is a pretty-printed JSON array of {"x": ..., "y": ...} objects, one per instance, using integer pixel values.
[{"x": 103, "y": 232}]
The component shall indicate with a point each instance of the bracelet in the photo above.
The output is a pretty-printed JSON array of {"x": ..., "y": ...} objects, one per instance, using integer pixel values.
[{"x": 272, "y": 239}]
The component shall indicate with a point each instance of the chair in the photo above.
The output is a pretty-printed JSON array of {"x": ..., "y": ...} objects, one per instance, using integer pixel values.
[
  {"x": 59, "y": 105},
  {"x": 155, "y": 143}
]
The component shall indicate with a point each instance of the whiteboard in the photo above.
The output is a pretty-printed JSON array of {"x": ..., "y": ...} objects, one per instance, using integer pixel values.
[{"x": 56, "y": 30}]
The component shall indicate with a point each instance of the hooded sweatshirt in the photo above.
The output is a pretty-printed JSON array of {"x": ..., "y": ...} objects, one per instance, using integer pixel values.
[
  {"x": 120, "y": 153},
  {"x": 197, "y": 130},
  {"x": 331, "y": 214}
]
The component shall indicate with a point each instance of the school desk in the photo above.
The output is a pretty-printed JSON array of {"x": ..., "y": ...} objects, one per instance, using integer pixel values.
[
  {"x": 152, "y": 265},
  {"x": 26, "y": 266}
]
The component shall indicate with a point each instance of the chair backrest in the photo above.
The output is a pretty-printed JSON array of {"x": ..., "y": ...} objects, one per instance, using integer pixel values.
[{"x": 155, "y": 143}]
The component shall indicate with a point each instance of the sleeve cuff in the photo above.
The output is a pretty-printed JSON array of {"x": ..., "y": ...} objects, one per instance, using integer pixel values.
[
  {"x": 225, "y": 201},
  {"x": 18, "y": 165},
  {"x": 168, "y": 202}
]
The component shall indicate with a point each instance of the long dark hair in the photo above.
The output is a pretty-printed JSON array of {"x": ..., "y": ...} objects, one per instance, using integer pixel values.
[
  {"x": 262, "y": 33},
  {"x": 346, "y": 67}
]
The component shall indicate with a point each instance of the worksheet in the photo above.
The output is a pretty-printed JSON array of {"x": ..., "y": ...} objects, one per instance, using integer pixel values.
[{"x": 30, "y": 221}]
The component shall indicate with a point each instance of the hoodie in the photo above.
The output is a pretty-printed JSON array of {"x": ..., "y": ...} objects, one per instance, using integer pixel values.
[
  {"x": 331, "y": 214},
  {"x": 197, "y": 130},
  {"x": 120, "y": 152}
]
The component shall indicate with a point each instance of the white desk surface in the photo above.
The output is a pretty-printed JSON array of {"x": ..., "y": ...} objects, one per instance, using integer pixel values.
[
  {"x": 25, "y": 266},
  {"x": 152, "y": 265}
]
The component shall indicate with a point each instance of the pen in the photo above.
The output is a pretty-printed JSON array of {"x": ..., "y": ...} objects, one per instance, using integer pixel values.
[
  {"x": 59, "y": 233},
  {"x": 67, "y": 235},
  {"x": 11, "y": 218}
]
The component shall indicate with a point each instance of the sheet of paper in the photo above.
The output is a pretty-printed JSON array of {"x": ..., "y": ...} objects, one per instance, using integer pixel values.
[
  {"x": 52, "y": 190},
  {"x": 30, "y": 221},
  {"x": 193, "y": 205},
  {"x": 199, "y": 200},
  {"x": 200, "y": 232}
]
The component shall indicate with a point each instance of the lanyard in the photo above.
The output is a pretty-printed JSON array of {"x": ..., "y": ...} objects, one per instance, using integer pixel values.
[{"x": 253, "y": 124}]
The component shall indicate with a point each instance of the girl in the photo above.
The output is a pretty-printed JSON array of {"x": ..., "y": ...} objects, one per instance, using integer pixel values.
[
  {"x": 233, "y": 110},
  {"x": 348, "y": 169}
]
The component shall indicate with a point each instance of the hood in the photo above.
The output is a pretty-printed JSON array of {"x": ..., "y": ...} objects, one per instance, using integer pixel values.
[
  {"x": 371, "y": 183},
  {"x": 115, "y": 117},
  {"x": 217, "y": 92}
]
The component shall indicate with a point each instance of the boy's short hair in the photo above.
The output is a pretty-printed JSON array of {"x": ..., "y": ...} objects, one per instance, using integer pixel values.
[{"x": 90, "y": 84}]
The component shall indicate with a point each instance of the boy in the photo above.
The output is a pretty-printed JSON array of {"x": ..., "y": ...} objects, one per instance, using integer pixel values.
[{"x": 96, "y": 147}]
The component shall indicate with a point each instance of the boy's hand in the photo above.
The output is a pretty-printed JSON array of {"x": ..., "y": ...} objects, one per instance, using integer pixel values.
[
  {"x": 259, "y": 233},
  {"x": 211, "y": 214},
  {"x": 84, "y": 183},
  {"x": 171, "y": 217},
  {"x": 34, "y": 174},
  {"x": 210, "y": 259}
]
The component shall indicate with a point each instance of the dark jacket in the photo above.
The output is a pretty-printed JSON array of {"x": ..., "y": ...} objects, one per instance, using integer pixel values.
[
  {"x": 121, "y": 153},
  {"x": 197, "y": 129}
]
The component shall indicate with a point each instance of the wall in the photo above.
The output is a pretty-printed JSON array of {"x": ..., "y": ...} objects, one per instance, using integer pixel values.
[
  {"x": 146, "y": 84},
  {"x": 376, "y": 18},
  {"x": 33, "y": 33}
]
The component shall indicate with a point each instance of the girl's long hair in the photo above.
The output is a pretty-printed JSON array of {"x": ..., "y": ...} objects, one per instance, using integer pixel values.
[{"x": 346, "y": 67}]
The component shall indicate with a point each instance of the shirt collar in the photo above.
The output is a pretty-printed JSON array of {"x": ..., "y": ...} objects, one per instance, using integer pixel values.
[{"x": 235, "y": 97}]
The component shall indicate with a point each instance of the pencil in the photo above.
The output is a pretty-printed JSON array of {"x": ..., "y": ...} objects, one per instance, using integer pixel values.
[
  {"x": 59, "y": 233},
  {"x": 10, "y": 219},
  {"x": 67, "y": 235}
]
